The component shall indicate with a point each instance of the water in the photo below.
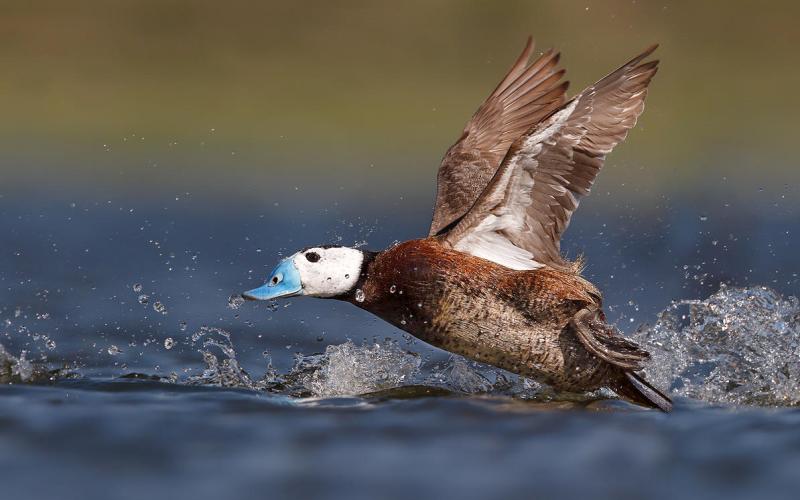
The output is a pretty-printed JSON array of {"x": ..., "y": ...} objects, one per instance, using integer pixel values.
[
  {"x": 105, "y": 395},
  {"x": 741, "y": 346}
]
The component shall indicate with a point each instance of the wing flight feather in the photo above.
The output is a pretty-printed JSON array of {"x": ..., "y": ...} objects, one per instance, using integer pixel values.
[
  {"x": 518, "y": 219},
  {"x": 526, "y": 95}
]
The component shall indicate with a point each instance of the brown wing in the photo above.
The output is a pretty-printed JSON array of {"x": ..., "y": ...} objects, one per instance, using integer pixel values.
[
  {"x": 520, "y": 217},
  {"x": 526, "y": 95}
]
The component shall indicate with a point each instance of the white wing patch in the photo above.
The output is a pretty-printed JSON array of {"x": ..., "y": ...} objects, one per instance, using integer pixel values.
[
  {"x": 489, "y": 239},
  {"x": 496, "y": 248}
]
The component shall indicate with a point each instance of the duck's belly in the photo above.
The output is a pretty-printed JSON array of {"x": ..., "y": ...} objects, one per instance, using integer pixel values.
[
  {"x": 515, "y": 320},
  {"x": 543, "y": 347}
]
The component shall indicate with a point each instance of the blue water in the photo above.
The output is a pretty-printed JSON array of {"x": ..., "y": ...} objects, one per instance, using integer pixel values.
[
  {"x": 94, "y": 439},
  {"x": 68, "y": 270}
]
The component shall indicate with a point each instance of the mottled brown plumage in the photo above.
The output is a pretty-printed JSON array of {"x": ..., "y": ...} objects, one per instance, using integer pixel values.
[
  {"x": 520, "y": 321},
  {"x": 515, "y": 320}
]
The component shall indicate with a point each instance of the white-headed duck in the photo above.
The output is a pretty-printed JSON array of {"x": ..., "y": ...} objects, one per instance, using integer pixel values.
[{"x": 489, "y": 282}]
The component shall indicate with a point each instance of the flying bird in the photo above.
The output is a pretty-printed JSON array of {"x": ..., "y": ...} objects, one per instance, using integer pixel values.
[{"x": 489, "y": 282}]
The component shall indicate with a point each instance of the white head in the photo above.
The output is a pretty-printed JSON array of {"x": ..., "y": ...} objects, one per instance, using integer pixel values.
[{"x": 316, "y": 272}]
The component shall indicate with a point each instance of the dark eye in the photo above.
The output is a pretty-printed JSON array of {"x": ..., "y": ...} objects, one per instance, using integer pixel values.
[{"x": 312, "y": 257}]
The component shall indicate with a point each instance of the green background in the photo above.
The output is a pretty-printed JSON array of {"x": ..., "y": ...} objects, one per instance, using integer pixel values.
[{"x": 267, "y": 99}]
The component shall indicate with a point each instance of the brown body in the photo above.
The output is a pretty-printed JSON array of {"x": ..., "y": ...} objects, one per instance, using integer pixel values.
[{"x": 515, "y": 320}]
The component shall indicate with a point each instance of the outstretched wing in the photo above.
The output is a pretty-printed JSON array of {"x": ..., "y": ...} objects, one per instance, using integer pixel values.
[
  {"x": 519, "y": 218},
  {"x": 526, "y": 95}
]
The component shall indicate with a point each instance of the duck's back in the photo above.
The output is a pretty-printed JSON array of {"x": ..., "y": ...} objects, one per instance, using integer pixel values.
[{"x": 516, "y": 320}]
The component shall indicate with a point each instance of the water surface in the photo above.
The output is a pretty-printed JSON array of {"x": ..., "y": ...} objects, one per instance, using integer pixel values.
[{"x": 131, "y": 375}]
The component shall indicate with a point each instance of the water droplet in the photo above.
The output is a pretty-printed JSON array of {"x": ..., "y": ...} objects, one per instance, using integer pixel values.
[
  {"x": 703, "y": 218},
  {"x": 392, "y": 288},
  {"x": 51, "y": 344},
  {"x": 235, "y": 302},
  {"x": 144, "y": 299},
  {"x": 360, "y": 295},
  {"x": 403, "y": 322},
  {"x": 137, "y": 287},
  {"x": 169, "y": 343},
  {"x": 160, "y": 308},
  {"x": 114, "y": 350}
]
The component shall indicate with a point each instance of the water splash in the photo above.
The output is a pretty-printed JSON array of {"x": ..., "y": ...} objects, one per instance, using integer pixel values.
[
  {"x": 345, "y": 369},
  {"x": 222, "y": 366},
  {"x": 14, "y": 370},
  {"x": 462, "y": 375},
  {"x": 740, "y": 346},
  {"x": 348, "y": 369},
  {"x": 235, "y": 302}
]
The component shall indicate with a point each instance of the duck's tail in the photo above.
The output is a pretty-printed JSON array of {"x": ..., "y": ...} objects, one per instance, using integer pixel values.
[
  {"x": 635, "y": 388},
  {"x": 605, "y": 342}
]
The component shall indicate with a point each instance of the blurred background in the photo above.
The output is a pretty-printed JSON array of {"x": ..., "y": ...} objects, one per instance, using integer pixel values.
[
  {"x": 187, "y": 145},
  {"x": 244, "y": 99}
]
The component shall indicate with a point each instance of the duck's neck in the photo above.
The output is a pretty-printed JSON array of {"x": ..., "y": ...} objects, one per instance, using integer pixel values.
[
  {"x": 395, "y": 285},
  {"x": 352, "y": 295}
]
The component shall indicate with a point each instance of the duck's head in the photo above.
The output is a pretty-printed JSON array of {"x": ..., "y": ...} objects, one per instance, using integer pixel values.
[{"x": 325, "y": 271}]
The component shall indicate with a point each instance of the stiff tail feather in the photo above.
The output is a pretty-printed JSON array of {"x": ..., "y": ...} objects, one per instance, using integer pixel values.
[{"x": 638, "y": 390}]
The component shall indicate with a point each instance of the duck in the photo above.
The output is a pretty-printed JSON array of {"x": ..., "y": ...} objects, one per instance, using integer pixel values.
[{"x": 489, "y": 281}]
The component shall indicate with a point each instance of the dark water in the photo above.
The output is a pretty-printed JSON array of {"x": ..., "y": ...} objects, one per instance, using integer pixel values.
[
  {"x": 242, "y": 408},
  {"x": 96, "y": 439}
]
